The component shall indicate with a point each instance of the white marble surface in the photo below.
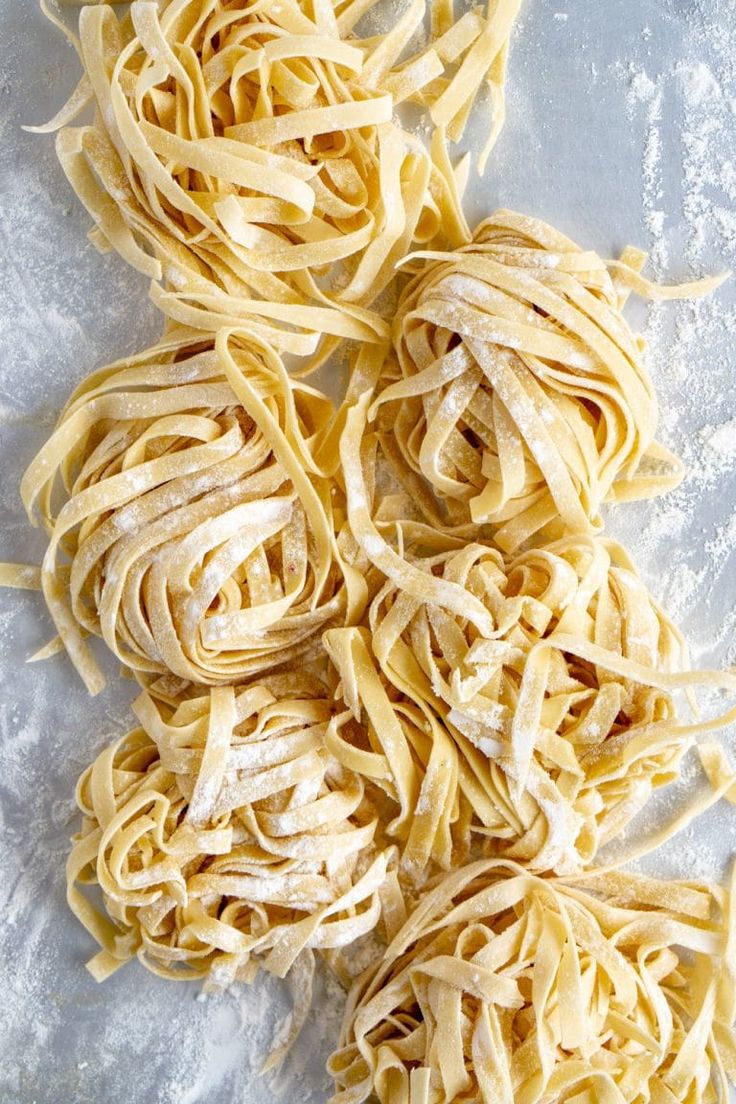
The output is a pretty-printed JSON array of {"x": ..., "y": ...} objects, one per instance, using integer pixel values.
[{"x": 614, "y": 132}]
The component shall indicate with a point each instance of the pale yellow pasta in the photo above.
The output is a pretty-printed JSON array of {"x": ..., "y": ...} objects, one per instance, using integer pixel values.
[
  {"x": 241, "y": 153},
  {"x": 523, "y": 398},
  {"x": 224, "y": 838},
  {"x": 189, "y": 523},
  {"x": 539, "y": 738},
  {"x": 505, "y": 988},
  {"x": 20, "y": 576},
  {"x": 404, "y": 752},
  {"x": 376, "y": 641}
]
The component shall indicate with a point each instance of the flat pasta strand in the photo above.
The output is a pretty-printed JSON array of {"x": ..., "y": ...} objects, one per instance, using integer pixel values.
[{"x": 404, "y": 753}]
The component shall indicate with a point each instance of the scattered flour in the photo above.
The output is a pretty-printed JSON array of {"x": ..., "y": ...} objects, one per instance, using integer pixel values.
[
  {"x": 685, "y": 541},
  {"x": 722, "y": 439},
  {"x": 700, "y": 86}
]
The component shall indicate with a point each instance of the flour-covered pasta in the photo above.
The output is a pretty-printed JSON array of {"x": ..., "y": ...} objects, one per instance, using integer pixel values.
[
  {"x": 189, "y": 523},
  {"x": 506, "y": 988},
  {"x": 404, "y": 752},
  {"x": 224, "y": 836},
  {"x": 241, "y": 152},
  {"x": 541, "y": 735},
  {"x": 523, "y": 397}
]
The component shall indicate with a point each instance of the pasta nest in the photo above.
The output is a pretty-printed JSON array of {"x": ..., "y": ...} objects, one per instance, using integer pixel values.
[
  {"x": 537, "y": 715},
  {"x": 195, "y": 533},
  {"x": 505, "y": 987},
  {"x": 523, "y": 397},
  {"x": 222, "y": 829},
  {"x": 241, "y": 153}
]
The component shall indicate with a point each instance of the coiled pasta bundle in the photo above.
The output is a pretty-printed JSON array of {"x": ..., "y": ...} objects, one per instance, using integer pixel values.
[
  {"x": 523, "y": 396},
  {"x": 535, "y": 715},
  {"x": 200, "y": 536},
  {"x": 507, "y": 988},
  {"x": 242, "y": 153},
  {"x": 223, "y": 835}
]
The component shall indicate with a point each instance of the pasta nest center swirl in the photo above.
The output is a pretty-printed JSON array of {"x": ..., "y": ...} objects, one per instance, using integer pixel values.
[
  {"x": 522, "y": 395},
  {"x": 199, "y": 535}
]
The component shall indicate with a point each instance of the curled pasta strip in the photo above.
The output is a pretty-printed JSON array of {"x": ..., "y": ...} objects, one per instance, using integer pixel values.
[
  {"x": 542, "y": 736},
  {"x": 194, "y": 531},
  {"x": 523, "y": 396},
  {"x": 241, "y": 152},
  {"x": 224, "y": 836},
  {"x": 404, "y": 752},
  {"x": 510, "y": 989}
]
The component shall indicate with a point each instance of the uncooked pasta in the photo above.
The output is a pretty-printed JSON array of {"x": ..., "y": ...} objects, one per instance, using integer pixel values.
[
  {"x": 224, "y": 837},
  {"x": 404, "y": 752},
  {"x": 539, "y": 736},
  {"x": 507, "y": 988},
  {"x": 395, "y": 682},
  {"x": 241, "y": 153},
  {"x": 523, "y": 398},
  {"x": 189, "y": 524}
]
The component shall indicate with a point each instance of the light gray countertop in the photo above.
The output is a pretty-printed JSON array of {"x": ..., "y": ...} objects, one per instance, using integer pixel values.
[{"x": 621, "y": 128}]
